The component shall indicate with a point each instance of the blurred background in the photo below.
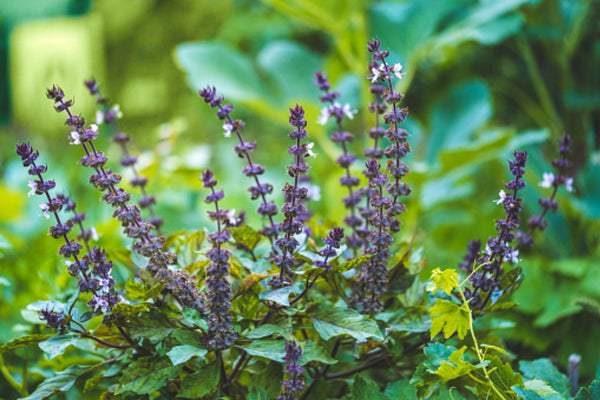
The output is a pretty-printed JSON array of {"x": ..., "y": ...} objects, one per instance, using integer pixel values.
[{"x": 483, "y": 78}]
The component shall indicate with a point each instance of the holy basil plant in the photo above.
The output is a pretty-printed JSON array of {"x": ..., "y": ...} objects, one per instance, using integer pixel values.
[{"x": 296, "y": 308}]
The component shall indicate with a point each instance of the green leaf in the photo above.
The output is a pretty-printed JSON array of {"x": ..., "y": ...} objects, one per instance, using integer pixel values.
[
  {"x": 61, "y": 382},
  {"x": 447, "y": 280},
  {"x": 266, "y": 348},
  {"x": 201, "y": 382},
  {"x": 354, "y": 263},
  {"x": 130, "y": 310},
  {"x": 58, "y": 344},
  {"x": 415, "y": 321},
  {"x": 544, "y": 370},
  {"x": 138, "y": 291},
  {"x": 592, "y": 392},
  {"x": 181, "y": 354},
  {"x": 337, "y": 321},
  {"x": 279, "y": 296},
  {"x": 401, "y": 390},
  {"x": 539, "y": 387},
  {"x": 24, "y": 341},
  {"x": 268, "y": 330},
  {"x": 456, "y": 367},
  {"x": 216, "y": 64},
  {"x": 269, "y": 380},
  {"x": 450, "y": 317},
  {"x": 192, "y": 316},
  {"x": 246, "y": 236},
  {"x": 314, "y": 352},
  {"x": 366, "y": 389},
  {"x": 147, "y": 374}
]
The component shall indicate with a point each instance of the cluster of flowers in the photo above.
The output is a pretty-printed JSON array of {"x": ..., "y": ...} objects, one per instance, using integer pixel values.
[
  {"x": 109, "y": 116},
  {"x": 93, "y": 269},
  {"x": 177, "y": 282},
  {"x": 294, "y": 384},
  {"x": 505, "y": 246},
  {"x": 218, "y": 296}
]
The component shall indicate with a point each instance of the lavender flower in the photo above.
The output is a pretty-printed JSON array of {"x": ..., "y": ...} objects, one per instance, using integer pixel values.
[
  {"x": 93, "y": 268},
  {"x": 178, "y": 284},
  {"x": 332, "y": 242},
  {"x": 525, "y": 239},
  {"x": 339, "y": 112},
  {"x": 220, "y": 327},
  {"x": 293, "y": 196},
  {"x": 267, "y": 208},
  {"x": 498, "y": 249},
  {"x": 109, "y": 116},
  {"x": 294, "y": 384}
]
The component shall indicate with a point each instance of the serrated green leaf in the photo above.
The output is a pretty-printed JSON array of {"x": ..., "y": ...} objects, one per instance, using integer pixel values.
[
  {"x": 539, "y": 387},
  {"x": 181, "y": 354},
  {"x": 447, "y": 280},
  {"x": 24, "y": 341},
  {"x": 138, "y": 291},
  {"x": 543, "y": 369},
  {"x": 58, "y": 344},
  {"x": 455, "y": 367},
  {"x": 201, "y": 382},
  {"x": 366, "y": 389},
  {"x": 268, "y": 330},
  {"x": 450, "y": 317},
  {"x": 279, "y": 296},
  {"x": 147, "y": 375},
  {"x": 592, "y": 392},
  {"x": 354, "y": 263},
  {"x": 337, "y": 321},
  {"x": 61, "y": 382},
  {"x": 401, "y": 390}
]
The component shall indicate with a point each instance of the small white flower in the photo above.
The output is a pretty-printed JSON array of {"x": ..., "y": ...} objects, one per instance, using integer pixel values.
[
  {"x": 397, "y": 70},
  {"x": 75, "y": 138},
  {"x": 231, "y": 217},
  {"x": 94, "y": 234},
  {"x": 99, "y": 117},
  {"x": 569, "y": 184},
  {"x": 547, "y": 180},
  {"x": 502, "y": 195},
  {"x": 376, "y": 74},
  {"x": 309, "y": 151},
  {"x": 94, "y": 128},
  {"x": 117, "y": 111},
  {"x": 227, "y": 129},
  {"x": 325, "y": 114},
  {"x": 34, "y": 186},
  {"x": 348, "y": 112},
  {"x": 487, "y": 250},
  {"x": 45, "y": 210},
  {"x": 314, "y": 192},
  {"x": 512, "y": 257}
]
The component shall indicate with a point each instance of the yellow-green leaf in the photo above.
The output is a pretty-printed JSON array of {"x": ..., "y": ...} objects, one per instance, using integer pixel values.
[
  {"x": 456, "y": 368},
  {"x": 447, "y": 280},
  {"x": 449, "y": 317}
]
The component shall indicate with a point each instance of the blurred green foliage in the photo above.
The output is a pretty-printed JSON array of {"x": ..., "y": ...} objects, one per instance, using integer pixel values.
[{"x": 483, "y": 79}]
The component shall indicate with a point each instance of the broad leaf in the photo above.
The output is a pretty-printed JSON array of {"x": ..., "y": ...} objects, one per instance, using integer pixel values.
[
  {"x": 201, "y": 382},
  {"x": 544, "y": 370},
  {"x": 181, "y": 354},
  {"x": 366, "y": 389},
  {"x": 246, "y": 236},
  {"x": 147, "y": 375},
  {"x": 450, "y": 317},
  {"x": 268, "y": 330},
  {"x": 61, "y": 382},
  {"x": 279, "y": 296},
  {"x": 455, "y": 367},
  {"x": 58, "y": 344},
  {"x": 337, "y": 321},
  {"x": 24, "y": 341}
]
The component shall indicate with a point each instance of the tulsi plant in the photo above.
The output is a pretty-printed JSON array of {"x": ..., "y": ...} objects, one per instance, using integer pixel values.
[{"x": 277, "y": 311}]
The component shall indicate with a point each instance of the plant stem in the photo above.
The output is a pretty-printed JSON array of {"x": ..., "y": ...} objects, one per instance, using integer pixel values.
[{"x": 7, "y": 375}]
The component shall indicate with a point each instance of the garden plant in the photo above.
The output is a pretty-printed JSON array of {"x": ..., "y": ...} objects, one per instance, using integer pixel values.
[{"x": 296, "y": 306}]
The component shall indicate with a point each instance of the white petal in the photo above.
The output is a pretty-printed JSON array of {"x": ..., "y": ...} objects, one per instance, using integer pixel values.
[
  {"x": 227, "y": 129},
  {"x": 45, "y": 208},
  {"x": 569, "y": 184},
  {"x": 325, "y": 114},
  {"x": 74, "y": 138},
  {"x": 547, "y": 180},
  {"x": 33, "y": 186},
  {"x": 502, "y": 195},
  {"x": 99, "y": 117}
]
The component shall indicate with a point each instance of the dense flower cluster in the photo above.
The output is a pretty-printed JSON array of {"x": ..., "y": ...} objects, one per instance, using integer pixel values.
[
  {"x": 294, "y": 384},
  {"x": 218, "y": 296},
  {"x": 243, "y": 149},
  {"x": 93, "y": 268},
  {"x": 293, "y": 195},
  {"x": 498, "y": 249},
  {"x": 178, "y": 284},
  {"x": 339, "y": 112},
  {"x": 332, "y": 243},
  {"x": 109, "y": 116}
]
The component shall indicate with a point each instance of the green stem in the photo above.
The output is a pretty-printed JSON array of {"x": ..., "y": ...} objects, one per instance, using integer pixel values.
[{"x": 7, "y": 375}]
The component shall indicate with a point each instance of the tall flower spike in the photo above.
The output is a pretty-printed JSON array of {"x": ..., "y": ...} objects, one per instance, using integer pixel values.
[
  {"x": 93, "y": 268},
  {"x": 294, "y": 384},
  {"x": 109, "y": 116},
  {"x": 293, "y": 196},
  {"x": 178, "y": 284},
  {"x": 345, "y": 161},
  {"x": 537, "y": 222},
  {"x": 220, "y": 327},
  {"x": 259, "y": 190},
  {"x": 499, "y": 249}
]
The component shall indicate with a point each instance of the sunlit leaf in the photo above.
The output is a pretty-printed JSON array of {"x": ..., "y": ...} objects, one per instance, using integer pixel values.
[{"x": 450, "y": 317}]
